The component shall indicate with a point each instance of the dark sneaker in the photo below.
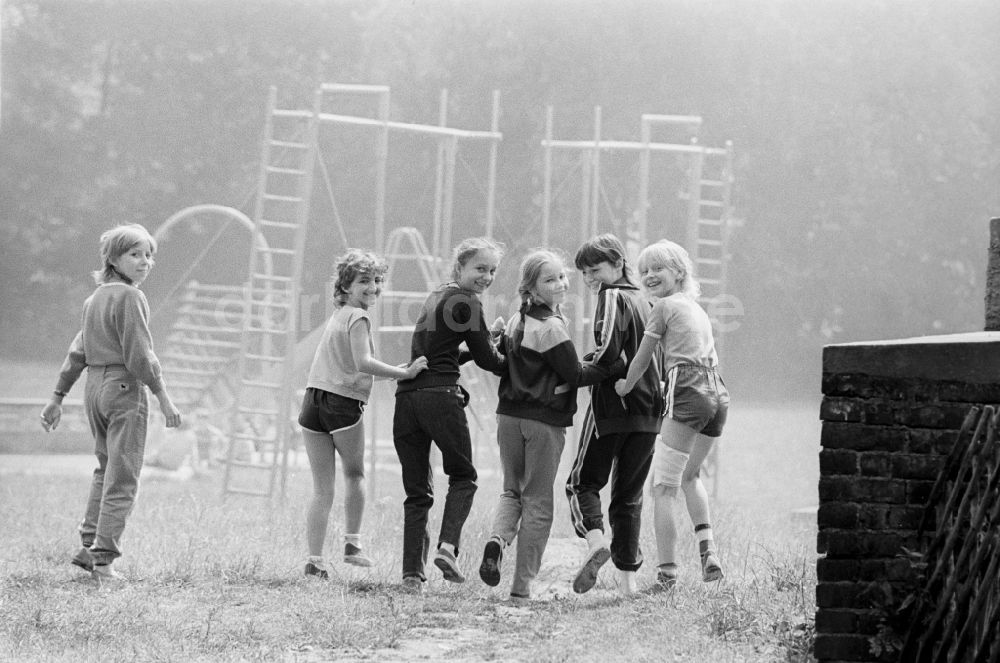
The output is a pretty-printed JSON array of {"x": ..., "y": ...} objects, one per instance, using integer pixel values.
[
  {"x": 489, "y": 570},
  {"x": 666, "y": 578},
  {"x": 83, "y": 559},
  {"x": 354, "y": 555},
  {"x": 711, "y": 570},
  {"x": 446, "y": 561},
  {"x": 316, "y": 571},
  {"x": 586, "y": 577},
  {"x": 413, "y": 584}
]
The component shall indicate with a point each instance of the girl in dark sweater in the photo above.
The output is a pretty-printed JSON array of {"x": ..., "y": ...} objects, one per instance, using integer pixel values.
[{"x": 430, "y": 408}]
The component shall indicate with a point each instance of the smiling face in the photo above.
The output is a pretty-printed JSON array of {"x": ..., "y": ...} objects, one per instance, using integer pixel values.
[
  {"x": 659, "y": 279},
  {"x": 136, "y": 263},
  {"x": 551, "y": 285},
  {"x": 364, "y": 290},
  {"x": 478, "y": 271},
  {"x": 603, "y": 273}
]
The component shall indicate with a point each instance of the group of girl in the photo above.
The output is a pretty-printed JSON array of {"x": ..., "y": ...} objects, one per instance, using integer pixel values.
[{"x": 642, "y": 340}]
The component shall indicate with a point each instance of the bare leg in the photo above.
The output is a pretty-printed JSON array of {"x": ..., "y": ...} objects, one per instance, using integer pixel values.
[
  {"x": 350, "y": 444},
  {"x": 665, "y": 484},
  {"x": 694, "y": 490},
  {"x": 323, "y": 463}
]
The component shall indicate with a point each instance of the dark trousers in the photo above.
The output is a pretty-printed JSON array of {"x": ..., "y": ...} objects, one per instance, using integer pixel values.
[
  {"x": 435, "y": 414},
  {"x": 630, "y": 454}
]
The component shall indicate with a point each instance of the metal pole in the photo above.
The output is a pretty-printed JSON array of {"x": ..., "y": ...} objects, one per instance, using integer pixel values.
[
  {"x": 449, "y": 191},
  {"x": 585, "y": 234},
  {"x": 436, "y": 250},
  {"x": 547, "y": 178},
  {"x": 643, "y": 210},
  {"x": 492, "y": 183},
  {"x": 595, "y": 180},
  {"x": 381, "y": 160}
]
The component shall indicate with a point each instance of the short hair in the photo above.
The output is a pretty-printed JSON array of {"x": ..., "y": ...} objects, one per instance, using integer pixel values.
[
  {"x": 349, "y": 266},
  {"x": 604, "y": 248},
  {"x": 674, "y": 256},
  {"x": 469, "y": 247},
  {"x": 116, "y": 242}
]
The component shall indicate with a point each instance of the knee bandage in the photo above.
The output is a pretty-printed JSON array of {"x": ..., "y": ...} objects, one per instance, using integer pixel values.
[{"x": 671, "y": 467}]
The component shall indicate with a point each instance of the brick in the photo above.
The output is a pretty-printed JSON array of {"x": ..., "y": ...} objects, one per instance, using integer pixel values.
[
  {"x": 841, "y": 409},
  {"x": 862, "y": 543},
  {"x": 836, "y": 621},
  {"x": 917, "y": 466},
  {"x": 875, "y": 464},
  {"x": 918, "y": 492},
  {"x": 939, "y": 415},
  {"x": 861, "y": 437},
  {"x": 837, "y": 515},
  {"x": 904, "y": 517},
  {"x": 840, "y": 595},
  {"x": 838, "y": 461},
  {"x": 836, "y": 570},
  {"x": 936, "y": 441},
  {"x": 842, "y": 647},
  {"x": 851, "y": 489}
]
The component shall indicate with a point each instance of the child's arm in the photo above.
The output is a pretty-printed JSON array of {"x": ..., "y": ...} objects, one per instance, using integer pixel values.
[
  {"x": 71, "y": 369},
  {"x": 638, "y": 365},
  {"x": 562, "y": 357},
  {"x": 479, "y": 337},
  {"x": 360, "y": 335}
]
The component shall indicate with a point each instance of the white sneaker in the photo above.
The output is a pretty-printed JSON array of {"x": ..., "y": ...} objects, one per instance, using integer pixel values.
[{"x": 105, "y": 574}]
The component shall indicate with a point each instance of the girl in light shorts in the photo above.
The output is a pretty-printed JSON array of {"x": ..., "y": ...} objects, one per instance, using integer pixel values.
[{"x": 697, "y": 402}]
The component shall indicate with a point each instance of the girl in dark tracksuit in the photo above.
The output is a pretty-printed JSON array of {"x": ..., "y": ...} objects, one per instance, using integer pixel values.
[
  {"x": 430, "y": 408},
  {"x": 616, "y": 431}
]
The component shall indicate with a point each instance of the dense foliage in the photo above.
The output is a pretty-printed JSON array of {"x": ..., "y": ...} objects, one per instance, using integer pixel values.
[{"x": 867, "y": 161}]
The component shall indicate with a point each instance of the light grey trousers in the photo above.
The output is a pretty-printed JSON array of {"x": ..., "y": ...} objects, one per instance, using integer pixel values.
[
  {"x": 117, "y": 409},
  {"x": 529, "y": 457}
]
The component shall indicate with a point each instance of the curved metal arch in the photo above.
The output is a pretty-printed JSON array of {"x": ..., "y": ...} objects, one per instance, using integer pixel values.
[{"x": 207, "y": 209}]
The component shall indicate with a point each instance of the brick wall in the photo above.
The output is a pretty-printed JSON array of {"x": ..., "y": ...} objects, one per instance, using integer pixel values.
[{"x": 891, "y": 412}]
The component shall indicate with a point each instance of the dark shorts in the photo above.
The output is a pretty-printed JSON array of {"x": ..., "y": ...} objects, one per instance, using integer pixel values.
[
  {"x": 326, "y": 412},
  {"x": 697, "y": 397}
]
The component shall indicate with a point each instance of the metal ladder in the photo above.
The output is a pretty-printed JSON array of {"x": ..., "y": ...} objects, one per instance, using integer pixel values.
[
  {"x": 203, "y": 345},
  {"x": 709, "y": 214},
  {"x": 261, "y": 419}
]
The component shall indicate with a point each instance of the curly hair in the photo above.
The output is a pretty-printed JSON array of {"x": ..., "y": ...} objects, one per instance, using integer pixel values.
[{"x": 349, "y": 266}]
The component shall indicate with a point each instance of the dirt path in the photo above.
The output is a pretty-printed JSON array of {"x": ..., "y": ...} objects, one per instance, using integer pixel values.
[{"x": 436, "y": 636}]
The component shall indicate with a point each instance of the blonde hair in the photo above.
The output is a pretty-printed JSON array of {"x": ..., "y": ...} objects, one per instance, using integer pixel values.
[
  {"x": 468, "y": 248},
  {"x": 676, "y": 258},
  {"x": 604, "y": 248},
  {"x": 349, "y": 266},
  {"x": 115, "y": 243}
]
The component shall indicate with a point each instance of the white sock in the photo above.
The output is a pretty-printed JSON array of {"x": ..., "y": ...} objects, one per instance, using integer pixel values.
[
  {"x": 317, "y": 561},
  {"x": 628, "y": 584},
  {"x": 353, "y": 539},
  {"x": 503, "y": 544},
  {"x": 595, "y": 539},
  {"x": 450, "y": 547}
]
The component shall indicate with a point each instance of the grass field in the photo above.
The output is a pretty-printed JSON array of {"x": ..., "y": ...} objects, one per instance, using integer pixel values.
[{"x": 221, "y": 580}]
